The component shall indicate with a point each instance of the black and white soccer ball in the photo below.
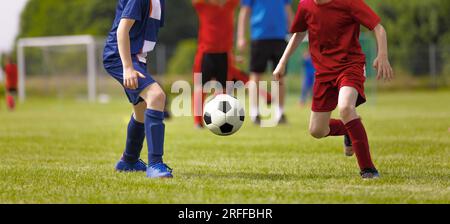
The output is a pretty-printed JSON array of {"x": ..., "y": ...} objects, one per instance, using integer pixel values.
[{"x": 223, "y": 115}]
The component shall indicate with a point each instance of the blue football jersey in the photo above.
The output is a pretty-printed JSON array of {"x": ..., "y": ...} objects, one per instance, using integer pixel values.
[
  {"x": 269, "y": 20},
  {"x": 149, "y": 17}
]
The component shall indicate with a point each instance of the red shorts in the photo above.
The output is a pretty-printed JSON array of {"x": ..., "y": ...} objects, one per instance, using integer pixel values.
[{"x": 326, "y": 94}]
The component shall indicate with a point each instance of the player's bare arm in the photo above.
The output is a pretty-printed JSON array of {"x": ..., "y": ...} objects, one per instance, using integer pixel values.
[
  {"x": 244, "y": 17},
  {"x": 131, "y": 76},
  {"x": 381, "y": 63},
  {"x": 295, "y": 41}
]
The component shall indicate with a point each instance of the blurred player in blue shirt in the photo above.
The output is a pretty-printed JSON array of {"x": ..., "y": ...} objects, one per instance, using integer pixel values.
[
  {"x": 133, "y": 34},
  {"x": 308, "y": 81},
  {"x": 269, "y": 24}
]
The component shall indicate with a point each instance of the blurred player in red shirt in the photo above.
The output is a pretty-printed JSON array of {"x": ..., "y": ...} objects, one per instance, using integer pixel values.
[
  {"x": 214, "y": 58},
  {"x": 334, "y": 27},
  {"x": 11, "y": 76}
]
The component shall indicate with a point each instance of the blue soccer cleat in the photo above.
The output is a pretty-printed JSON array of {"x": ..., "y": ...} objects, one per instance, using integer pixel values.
[
  {"x": 139, "y": 166},
  {"x": 159, "y": 170}
]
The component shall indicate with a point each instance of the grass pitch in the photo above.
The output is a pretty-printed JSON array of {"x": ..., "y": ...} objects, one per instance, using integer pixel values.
[{"x": 64, "y": 152}]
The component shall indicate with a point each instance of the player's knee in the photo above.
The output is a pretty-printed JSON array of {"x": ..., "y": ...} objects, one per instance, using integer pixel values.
[
  {"x": 317, "y": 132},
  {"x": 158, "y": 96},
  {"x": 155, "y": 95},
  {"x": 346, "y": 111}
]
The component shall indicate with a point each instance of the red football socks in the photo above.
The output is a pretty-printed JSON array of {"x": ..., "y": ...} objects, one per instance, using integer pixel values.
[
  {"x": 199, "y": 100},
  {"x": 10, "y": 102},
  {"x": 358, "y": 135},
  {"x": 337, "y": 128}
]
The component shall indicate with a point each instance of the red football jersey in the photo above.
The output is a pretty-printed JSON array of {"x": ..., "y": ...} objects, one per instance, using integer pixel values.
[
  {"x": 334, "y": 30},
  {"x": 11, "y": 76},
  {"x": 216, "y": 31}
]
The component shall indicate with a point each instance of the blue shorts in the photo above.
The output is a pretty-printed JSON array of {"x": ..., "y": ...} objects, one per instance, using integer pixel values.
[{"x": 133, "y": 94}]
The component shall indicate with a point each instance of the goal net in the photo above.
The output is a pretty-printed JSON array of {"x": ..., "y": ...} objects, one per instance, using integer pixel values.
[{"x": 62, "y": 67}]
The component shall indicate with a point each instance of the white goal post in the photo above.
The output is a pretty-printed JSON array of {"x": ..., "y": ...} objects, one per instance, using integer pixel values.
[
  {"x": 87, "y": 40},
  {"x": 1, "y": 68}
]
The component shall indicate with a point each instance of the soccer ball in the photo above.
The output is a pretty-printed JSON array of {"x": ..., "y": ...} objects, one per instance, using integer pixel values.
[{"x": 223, "y": 115}]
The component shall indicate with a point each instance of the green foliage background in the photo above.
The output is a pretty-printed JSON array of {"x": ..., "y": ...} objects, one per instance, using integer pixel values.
[
  {"x": 412, "y": 25},
  {"x": 94, "y": 17}
]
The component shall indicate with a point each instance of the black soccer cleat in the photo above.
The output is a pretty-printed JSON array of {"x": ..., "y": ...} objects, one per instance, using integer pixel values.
[
  {"x": 283, "y": 120},
  {"x": 370, "y": 173},
  {"x": 256, "y": 120},
  {"x": 348, "y": 146}
]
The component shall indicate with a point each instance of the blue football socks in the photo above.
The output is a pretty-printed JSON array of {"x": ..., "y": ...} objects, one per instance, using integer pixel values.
[
  {"x": 155, "y": 131},
  {"x": 135, "y": 140}
]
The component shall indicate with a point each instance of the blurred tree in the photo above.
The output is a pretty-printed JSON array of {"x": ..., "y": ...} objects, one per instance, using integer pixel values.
[
  {"x": 95, "y": 17},
  {"x": 181, "y": 22},
  {"x": 55, "y": 17},
  {"x": 183, "y": 59},
  {"x": 415, "y": 28}
]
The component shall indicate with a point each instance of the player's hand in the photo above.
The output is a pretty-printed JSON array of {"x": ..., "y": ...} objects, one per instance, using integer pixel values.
[
  {"x": 279, "y": 72},
  {"x": 242, "y": 44},
  {"x": 130, "y": 79},
  {"x": 384, "y": 69}
]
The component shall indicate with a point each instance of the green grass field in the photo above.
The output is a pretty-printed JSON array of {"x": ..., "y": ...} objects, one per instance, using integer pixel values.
[{"x": 64, "y": 152}]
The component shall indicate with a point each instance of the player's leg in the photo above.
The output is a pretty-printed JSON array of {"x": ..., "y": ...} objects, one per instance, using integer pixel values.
[
  {"x": 167, "y": 114},
  {"x": 281, "y": 115},
  {"x": 319, "y": 124},
  {"x": 198, "y": 96},
  {"x": 152, "y": 113},
  {"x": 325, "y": 100},
  {"x": 277, "y": 50},
  {"x": 212, "y": 66},
  {"x": 137, "y": 127},
  {"x": 235, "y": 74},
  {"x": 348, "y": 97},
  {"x": 135, "y": 139},
  {"x": 255, "y": 78},
  {"x": 347, "y": 104},
  {"x": 260, "y": 56},
  {"x": 155, "y": 98},
  {"x": 198, "y": 102},
  {"x": 215, "y": 68},
  {"x": 343, "y": 101},
  {"x": 10, "y": 98},
  {"x": 221, "y": 71}
]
